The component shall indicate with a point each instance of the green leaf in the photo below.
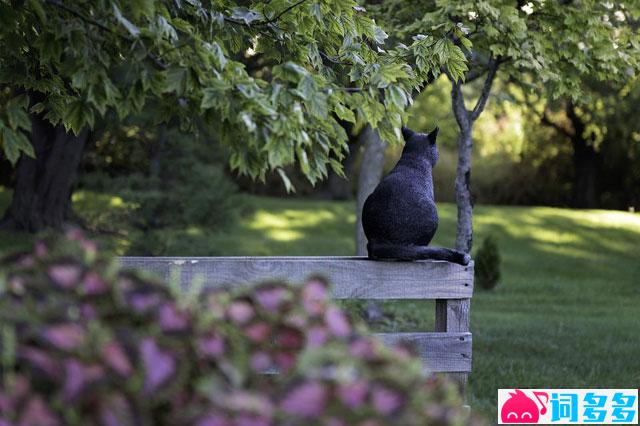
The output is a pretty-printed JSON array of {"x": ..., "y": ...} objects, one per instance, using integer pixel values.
[
  {"x": 143, "y": 8},
  {"x": 14, "y": 142},
  {"x": 379, "y": 35},
  {"x": 218, "y": 54},
  {"x": 18, "y": 118},
  {"x": 175, "y": 80},
  {"x": 285, "y": 179},
  {"x": 344, "y": 113},
  {"x": 396, "y": 96},
  {"x": 306, "y": 87},
  {"x": 74, "y": 118},
  {"x": 38, "y": 10},
  {"x": 246, "y": 15},
  {"x": 337, "y": 167},
  {"x": 209, "y": 99},
  {"x": 133, "y": 30}
]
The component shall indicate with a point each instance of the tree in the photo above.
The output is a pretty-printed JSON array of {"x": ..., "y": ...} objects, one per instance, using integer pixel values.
[
  {"x": 602, "y": 132},
  {"x": 550, "y": 46},
  {"x": 271, "y": 79}
]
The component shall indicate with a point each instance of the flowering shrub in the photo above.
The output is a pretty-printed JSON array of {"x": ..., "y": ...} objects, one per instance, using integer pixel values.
[{"x": 83, "y": 343}]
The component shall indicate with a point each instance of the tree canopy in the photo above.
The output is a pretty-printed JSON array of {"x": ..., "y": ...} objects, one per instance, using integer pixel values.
[
  {"x": 273, "y": 80},
  {"x": 541, "y": 43}
]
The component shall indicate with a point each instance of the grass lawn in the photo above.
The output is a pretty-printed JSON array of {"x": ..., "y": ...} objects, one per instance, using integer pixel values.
[{"x": 566, "y": 315}]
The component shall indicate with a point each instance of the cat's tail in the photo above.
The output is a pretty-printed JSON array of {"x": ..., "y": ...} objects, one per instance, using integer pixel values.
[{"x": 389, "y": 251}]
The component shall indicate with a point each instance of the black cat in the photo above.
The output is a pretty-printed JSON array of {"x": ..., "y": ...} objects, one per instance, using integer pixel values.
[{"x": 400, "y": 216}]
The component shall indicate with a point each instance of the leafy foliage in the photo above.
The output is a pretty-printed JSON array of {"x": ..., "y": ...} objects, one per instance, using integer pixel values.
[
  {"x": 487, "y": 264},
  {"x": 85, "y": 344},
  {"x": 539, "y": 43},
  {"x": 182, "y": 184},
  {"x": 272, "y": 79}
]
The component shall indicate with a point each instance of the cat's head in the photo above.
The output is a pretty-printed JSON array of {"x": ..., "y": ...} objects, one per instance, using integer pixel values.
[{"x": 421, "y": 144}]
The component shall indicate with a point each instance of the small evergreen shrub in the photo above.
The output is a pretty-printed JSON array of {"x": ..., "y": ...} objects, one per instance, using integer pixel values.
[
  {"x": 487, "y": 264},
  {"x": 83, "y": 343}
]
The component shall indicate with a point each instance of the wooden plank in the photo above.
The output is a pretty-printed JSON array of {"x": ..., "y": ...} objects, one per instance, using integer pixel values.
[
  {"x": 351, "y": 277},
  {"x": 440, "y": 352}
]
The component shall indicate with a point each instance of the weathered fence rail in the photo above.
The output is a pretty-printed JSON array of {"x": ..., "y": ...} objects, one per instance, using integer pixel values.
[{"x": 446, "y": 349}]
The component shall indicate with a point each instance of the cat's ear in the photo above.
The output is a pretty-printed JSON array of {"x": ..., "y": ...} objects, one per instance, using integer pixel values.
[
  {"x": 407, "y": 133},
  {"x": 433, "y": 135}
]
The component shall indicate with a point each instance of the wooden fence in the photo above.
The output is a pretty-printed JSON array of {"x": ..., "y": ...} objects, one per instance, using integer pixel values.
[{"x": 446, "y": 349}]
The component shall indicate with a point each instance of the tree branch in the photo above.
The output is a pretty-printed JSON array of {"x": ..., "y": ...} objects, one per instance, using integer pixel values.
[
  {"x": 457, "y": 101},
  {"x": 266, "y": 21},
  {"x": 279, "y": 15},
  {"x": 486, "y": 90},
  {"x": 153, "y": 58}
]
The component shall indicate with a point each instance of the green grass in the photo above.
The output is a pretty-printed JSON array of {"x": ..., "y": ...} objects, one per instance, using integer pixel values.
[{"x": 566, "y": 314}]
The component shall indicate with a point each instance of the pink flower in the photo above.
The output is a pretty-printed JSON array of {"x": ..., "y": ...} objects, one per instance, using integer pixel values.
[
  {"x": 65, "y": 275},
  {"x": 270, "y": 298},
  {"x": 260, "y": 361},
  {"x": 317, "y": 336},
  {"x": 88, "y": 312},
  {"x": 41, "y": 360},
  {"x": 240, "y": 312},
  {"x": 78, "y": 377},
  {"x": 93, "y": 284},
  {"x": 289, "y": 338},
  {"x": 306, "y": 400},
  {"x": 26, "y": 261},
  {"x": 241, "y": 401},
  {"x": 251, "y": 420},
  {"x": 362, "y": 348},
  {"x": 257, "y": 332},
  {"x": 171, "y": 319},
  {"x": 66, "y": 337},
  {"x": 213, "y": 420},
  {"x": 353, "y": 394},
  {"x": 385, "y": 400},
  {"x": 285, "y": 360},
  {"x": 116, "y": 358},
  {"x": 314, "y": 297},
  {"x": 143, "y": 301},
  {"x": 36, "y": 412},
  {"x": 159, "y": 365},
  {"x": 115, "y": 410},
  {"x": 337, "y": 322},
  {"x": 212, "y": 346},
  {"x": 40, "y": 249}
]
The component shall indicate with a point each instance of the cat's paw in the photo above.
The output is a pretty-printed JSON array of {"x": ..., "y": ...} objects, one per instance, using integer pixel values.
[{"x": 464, "y": 258}]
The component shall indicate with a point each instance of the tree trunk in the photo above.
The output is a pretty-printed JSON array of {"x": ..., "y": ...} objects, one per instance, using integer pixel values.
[
  {"x": 585, "y": 177},
  {"x": 464, "y": 229},
  {"x": 465, "y": 120},
  {"x": 369, "y": 177},
  {"x": 43, "y": 186},
  {"x": 585, "y": 164}
]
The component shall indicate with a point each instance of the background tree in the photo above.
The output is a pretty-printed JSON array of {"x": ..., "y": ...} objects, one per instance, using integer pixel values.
[
  {"x": 270, "y": 79},
  {"x": 551, "y": 46},
  {"x": 602, "y": 134}
]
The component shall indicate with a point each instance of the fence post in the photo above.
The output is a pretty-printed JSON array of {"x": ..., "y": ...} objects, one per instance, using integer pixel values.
[{"x": 452, "y": 315}]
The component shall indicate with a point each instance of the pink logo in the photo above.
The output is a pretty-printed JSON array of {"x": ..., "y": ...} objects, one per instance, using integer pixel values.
[{"x": 519, "y": 408}]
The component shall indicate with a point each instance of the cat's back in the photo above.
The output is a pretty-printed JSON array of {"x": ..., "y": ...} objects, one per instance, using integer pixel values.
[{"x": 401, "y": 208}]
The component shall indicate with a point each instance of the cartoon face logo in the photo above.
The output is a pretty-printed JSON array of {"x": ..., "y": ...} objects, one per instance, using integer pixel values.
[{"x": 519, "y": 408}]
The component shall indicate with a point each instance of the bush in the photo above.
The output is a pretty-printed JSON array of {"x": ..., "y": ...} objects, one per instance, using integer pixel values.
[
  {"x": 83, "y": 344},
  {"x": 182, "y": 184},
  {"x": 487, "y": 264}
]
